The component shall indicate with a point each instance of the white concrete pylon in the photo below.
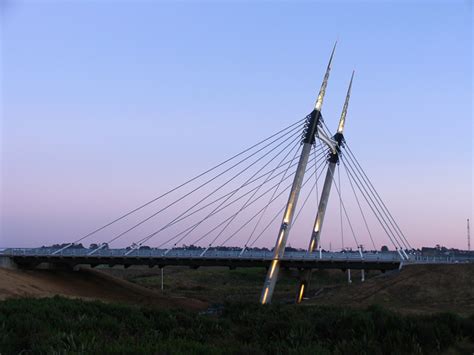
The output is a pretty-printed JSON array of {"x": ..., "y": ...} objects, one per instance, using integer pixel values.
[
  {"x": 310, "y": 132},
  {"x": 333, "y": 160}
]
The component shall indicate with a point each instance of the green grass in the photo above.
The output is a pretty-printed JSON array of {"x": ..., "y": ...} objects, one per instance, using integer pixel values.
[{"x": 58, "y": 326}]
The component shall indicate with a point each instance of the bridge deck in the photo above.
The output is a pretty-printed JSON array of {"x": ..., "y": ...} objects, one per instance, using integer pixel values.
[{"x": 196, "y": 258}]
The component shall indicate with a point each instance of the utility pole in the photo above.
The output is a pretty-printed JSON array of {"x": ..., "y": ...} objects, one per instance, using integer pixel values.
[
  {"x": 468, "y": 236},
  {"x": 308, "y": 141},
  {"x": 318, "y": 223}
]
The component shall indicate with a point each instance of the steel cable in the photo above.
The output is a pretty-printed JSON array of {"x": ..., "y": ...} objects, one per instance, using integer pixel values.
[
  {"x": 181, "y": 185},
  {"x": 387, "y": 211},
  {"x": 248, "y": 200},
  {"x": 360, "y": 209},
  {"x": 372, "y": 206},
  {"x": 273, "y": 219},
  {"x": 345, "y": 212},
  {"x": 255, "y": 215},
  {"x": 230, "y": 203},
  {"x": 212, "y": 212},
  {"x": 200, "y": 186}
]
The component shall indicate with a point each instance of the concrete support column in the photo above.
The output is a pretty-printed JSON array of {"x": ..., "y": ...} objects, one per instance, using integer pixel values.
[
  {"x": 362, "y": 275},
  {"x": 162, "y": 281},
  {"x": 349, "y": 280}
]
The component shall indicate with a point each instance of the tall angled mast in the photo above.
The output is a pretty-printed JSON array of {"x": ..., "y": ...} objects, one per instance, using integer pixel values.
[
  {"x": 333, "y": 159},
  {"x": 308, "y": 140},
  {"x": 342, "y": 120},
  {"x": 322, "y": 91}
]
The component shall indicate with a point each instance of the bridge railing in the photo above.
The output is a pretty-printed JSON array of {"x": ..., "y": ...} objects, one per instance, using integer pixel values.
[
  {"x": 199, "y": 253},
  {"x": 230, "y": 254},
  {"x": 441, "y": 259}
]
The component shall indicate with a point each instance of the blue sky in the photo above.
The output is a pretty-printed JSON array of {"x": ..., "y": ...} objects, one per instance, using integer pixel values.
[{"x": 108, "y": 103}]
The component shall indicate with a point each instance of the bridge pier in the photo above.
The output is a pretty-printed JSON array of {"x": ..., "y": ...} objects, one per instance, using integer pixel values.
[
  {"x": 349, "y": 279},
  {"x": 362, "y": 275},
  {"x": 162, "y": 280}
]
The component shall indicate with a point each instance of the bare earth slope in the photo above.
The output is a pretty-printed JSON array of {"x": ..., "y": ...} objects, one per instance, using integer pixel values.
[
  {"x": 416, "y": 288},
  {"x": 84, "y": 284}
]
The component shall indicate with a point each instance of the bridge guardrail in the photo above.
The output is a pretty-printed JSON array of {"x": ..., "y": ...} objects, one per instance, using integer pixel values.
[
  {"x": 197, "y": 253},
  {"x": 226, "y": 254}
]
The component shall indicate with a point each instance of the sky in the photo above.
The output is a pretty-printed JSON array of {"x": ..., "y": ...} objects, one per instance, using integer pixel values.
[{"x": 106, "y": 104}]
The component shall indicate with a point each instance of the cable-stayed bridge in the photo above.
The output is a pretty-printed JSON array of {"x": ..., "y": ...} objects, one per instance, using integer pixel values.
[{"x": 226, "y": 215}]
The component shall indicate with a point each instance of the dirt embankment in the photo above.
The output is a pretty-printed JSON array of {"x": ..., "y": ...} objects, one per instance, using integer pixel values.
[
  {"x": 416, "y": 288},
  {"x": 85, "y": 284}
]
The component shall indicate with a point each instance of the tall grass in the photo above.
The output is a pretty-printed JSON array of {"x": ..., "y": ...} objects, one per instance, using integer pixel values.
[{"x": 58, "y": 325}]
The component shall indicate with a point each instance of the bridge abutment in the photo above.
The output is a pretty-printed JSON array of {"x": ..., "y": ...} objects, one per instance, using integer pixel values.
[
  {"x": 57, "y": 266},
  {"x": 7, "y": 262}
]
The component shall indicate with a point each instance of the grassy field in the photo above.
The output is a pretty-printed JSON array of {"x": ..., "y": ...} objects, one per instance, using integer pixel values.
[
  {"x": 59, "y": 326},
  {"x": 219, "y": 284},
  {"x": 415, "y": 289},
  {"x": 420, "y": 310}
]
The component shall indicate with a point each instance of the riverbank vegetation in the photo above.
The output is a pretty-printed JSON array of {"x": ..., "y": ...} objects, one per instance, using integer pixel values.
[{"x": 61, "y": 325}]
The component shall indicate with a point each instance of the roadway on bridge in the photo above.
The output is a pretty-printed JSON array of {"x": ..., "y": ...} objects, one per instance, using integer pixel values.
[{"x": 200, "y": 257}]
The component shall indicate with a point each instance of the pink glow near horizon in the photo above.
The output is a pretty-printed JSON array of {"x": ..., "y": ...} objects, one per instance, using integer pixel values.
[{"x": 103, "y": 112}]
